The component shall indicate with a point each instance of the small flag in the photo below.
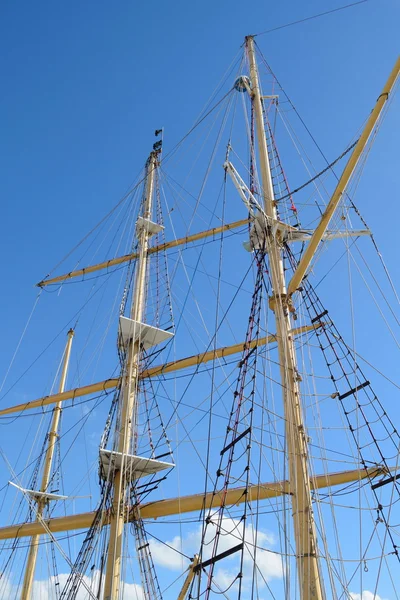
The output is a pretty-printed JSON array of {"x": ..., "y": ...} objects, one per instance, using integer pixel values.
[{"x": 157, "y": 132}]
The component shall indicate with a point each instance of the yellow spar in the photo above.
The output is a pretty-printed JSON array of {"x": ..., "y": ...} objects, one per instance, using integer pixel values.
[
  {"x": 343, "y": 182},
  {"x": 113, "y": 262},
  {"x": 182, "y": 363},
  {"x": 186, "y": 504},
  {"x": 68, "y": 395}
]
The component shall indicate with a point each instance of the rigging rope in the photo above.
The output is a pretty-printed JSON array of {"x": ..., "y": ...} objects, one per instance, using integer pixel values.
[
  {"x": 330, "y": 165},
  {"x": 328, "y": 12}
]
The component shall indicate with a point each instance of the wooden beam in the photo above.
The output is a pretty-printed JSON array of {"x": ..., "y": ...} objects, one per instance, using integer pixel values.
[
  {"x": 204, "y": 357},
  {"x": 192, "y": 503},
  {"x": 355, "y": 156},
  {"x": 152, "y": 372},
  {"x": 68, "y": 395},
  {"x": 183, "y": 363},
  {"x": 128, "y": 257},
  {"x": 189, "y": 577}
]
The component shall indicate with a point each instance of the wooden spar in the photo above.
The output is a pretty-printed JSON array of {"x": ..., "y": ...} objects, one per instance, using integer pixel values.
[
  {"x": 48, "y": 462},
  {"x": 189, "y": 577},
  {"x": 127, "y": 257},
  {"x": 68, "y": 395},
  {"x": 125, "y": 429},
  {"x": 182, "y": 363},
  {"x": 343, "y": 182},
  {"x": 192, "y": 503},
  {"x": 204, "y": 357},
  {"x": 308, "y": 571}
]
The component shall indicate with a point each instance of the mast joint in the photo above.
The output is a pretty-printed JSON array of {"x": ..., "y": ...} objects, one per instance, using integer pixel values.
[{"x": 285, "y": 301}]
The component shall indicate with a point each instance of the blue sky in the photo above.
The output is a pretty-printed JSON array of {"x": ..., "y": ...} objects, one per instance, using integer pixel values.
[{"x": 86, "y": 83}]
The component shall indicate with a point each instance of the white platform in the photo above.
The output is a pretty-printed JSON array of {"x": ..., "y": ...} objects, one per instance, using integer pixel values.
[
  {"x": 134, "y": 466},
  {"x": 147, "y": 335},
  {"x": 37, "y": 495},
  {"x": 151, "y": 227},
  {"x": 288, "y": 233}
]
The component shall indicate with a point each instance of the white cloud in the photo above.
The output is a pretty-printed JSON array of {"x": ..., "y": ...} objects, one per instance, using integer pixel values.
[
  {"x": 167, "y": 557},
  {"x": 133, "y": 591},
  {"x": 224, "y": 577},
  {"x": 366, "y": 595},
  {"x": 46, "y": 589},
  {"x": 269, "y": 564}
]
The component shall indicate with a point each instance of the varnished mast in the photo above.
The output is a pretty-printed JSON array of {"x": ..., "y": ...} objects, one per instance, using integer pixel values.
[
  {"x": 112, "y": 580},
  {"x": 48, "y": 462},
  {"x": 296, "y": 441}
]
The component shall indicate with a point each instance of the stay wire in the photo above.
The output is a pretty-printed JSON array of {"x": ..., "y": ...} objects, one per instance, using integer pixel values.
[
  {"x": 211, "y": 409},
  {"x": 354, "y": 207},
  {"x": 330, "y": 165},
  {"x": 68, "y": 324},
  {"x": 135, "y": 187},
  {"x": 20, "y": 340},
  {"x": 327, "y": 12},
  {"x": 169, "y": 545}
]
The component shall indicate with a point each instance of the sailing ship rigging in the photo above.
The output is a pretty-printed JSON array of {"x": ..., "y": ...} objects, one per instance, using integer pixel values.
[{"x": 268, "y": 501}]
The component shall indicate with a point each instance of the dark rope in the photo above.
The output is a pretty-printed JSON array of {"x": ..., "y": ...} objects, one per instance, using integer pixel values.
[
  {"x": 328, "y": 12},
  {"x": 320, "y": 173}
]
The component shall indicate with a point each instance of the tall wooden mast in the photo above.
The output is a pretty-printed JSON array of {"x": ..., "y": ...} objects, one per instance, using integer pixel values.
[
  {"x": 129, "y": 393},
  {"x": 296, "y": 441},
  {"x": 48, "y": 461}
]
